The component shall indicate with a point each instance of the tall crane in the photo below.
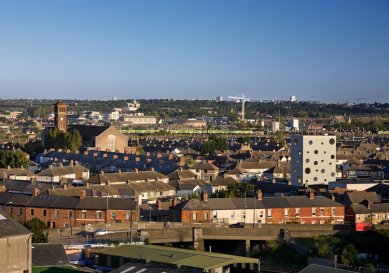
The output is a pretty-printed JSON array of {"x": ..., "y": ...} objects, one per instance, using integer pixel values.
[{"x": 241, "y": 99}]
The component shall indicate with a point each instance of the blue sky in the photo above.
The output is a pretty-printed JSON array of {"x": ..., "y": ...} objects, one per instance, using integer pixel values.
[{"x": 330, "y": 50}]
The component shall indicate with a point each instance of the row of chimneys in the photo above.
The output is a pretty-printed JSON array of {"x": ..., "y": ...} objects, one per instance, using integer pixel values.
[{"x": 129, "y": 151}]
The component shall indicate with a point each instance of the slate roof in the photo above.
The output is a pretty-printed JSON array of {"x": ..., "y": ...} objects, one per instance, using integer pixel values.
[
  {"x": 374, "y": 208},
  {"x": 226, "y": 181},
  {"x": 17, "y": 171},
  {"x": 382, "y": 189},
  {"x": 190, "y": 184},
  {"x": 181, "y": 175},
  {"x": 273, "y": 188},
  {"x": 125, "y": 176},
  {"x": 298, "y": 202},
  {"x": 49, "y": 255},
  {"x": 9, "y": 227},
  {"x": 234, "y": 203},
  {"x": 192, "y": 204},
  {"x": 66, "y": 202},
  {"x": 22, "y": 186},
  {"x": 60, "y": 171},
  {"x": 204, "y": 165},
  {"x": 357, "y": 197},
  {"x": 88, "y": 131}
]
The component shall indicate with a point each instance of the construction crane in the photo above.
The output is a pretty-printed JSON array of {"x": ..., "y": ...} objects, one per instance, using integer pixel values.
[{"x": 241, "y": 99}]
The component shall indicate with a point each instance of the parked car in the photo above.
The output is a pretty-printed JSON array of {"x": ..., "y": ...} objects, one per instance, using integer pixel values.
[{"x": 103, "y": 231}]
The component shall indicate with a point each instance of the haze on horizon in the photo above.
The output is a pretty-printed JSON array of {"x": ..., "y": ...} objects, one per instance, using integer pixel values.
[{"x": 96, "y": 49}]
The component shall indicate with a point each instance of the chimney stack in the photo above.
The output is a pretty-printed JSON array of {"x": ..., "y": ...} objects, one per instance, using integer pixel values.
[
  {"x": 35, "y": 191},
  {"x": 182, "y": 161},
  {"x": 82, "y": 194},
  {"x": 259, "y": 195},
  {"x": 204, "y": 196},
  {"x": 311, "y": 195}
]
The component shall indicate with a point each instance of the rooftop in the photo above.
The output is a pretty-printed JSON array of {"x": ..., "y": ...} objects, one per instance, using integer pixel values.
[{"x": 176, "y": 256}]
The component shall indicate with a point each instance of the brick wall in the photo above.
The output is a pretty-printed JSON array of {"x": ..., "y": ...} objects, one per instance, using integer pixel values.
[
  {"x": 196, "y": 216},
  {"x": 305, "y": 215},
  {"x": 60, "y": 218}
]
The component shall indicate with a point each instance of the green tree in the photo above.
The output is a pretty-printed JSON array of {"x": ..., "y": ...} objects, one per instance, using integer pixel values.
[
  {"x": 13, "y": 158},
  {"x": 349, "y": 255},
  {"x": 36, "y": 226},
  {"x": 56, "y": 139},
  {"x": 214, "y": 142},
  {"x": 73, "y": 140},
  {"x": 239, "y": 189}
]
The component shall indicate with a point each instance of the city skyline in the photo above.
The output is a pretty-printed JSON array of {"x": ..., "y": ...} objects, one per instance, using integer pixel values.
[{"x": 331, "y": 51}]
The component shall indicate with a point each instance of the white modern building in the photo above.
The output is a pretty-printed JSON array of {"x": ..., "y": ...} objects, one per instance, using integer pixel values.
[
  {"x": 313, "y": 159},
  {"x": 294, "y": 124},
  {"x": 293, "y": 98}
]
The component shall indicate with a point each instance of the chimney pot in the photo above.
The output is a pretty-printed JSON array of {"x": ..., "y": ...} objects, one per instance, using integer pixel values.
[
  {"x": 35, "y": 191},
  {"x": 82, "y": 194},
  {"x": 204, "y": 196},
  {"x": 259, "y": 195},
  {"x": 311, "y": 195}
]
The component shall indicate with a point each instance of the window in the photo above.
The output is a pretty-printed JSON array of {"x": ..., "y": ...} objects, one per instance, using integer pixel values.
[
  {"x": 286, "y": 212},
  {"x": 297, "y": 211},
  {"x": 206, "y": 216},
  {"x": 98, "y": 215},
  {"x": 314, "y": 212},
  {"x": 20, "y": 211},
  {"x": 70, "y": 214},
  {"x": 269, "y": 213},
  {"x": 83, "y": 214},
  {"x": 376, "y": 215},
  {"x": 44, "y": 212},
  {"x": 194, "y": 216},
  {"x": 233, "y": 214},
  {"x": 12, "y": 210},
  {"x": 321, "y": 211},
  {"x": 128, "y": 216},
  {"x": 32, "y": 212},
  {"x": 57, "y": 213},
  {"x": 113, "y": 215}
]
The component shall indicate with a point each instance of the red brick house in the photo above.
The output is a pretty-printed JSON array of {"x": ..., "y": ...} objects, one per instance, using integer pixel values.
[
  {"x": 68, "y": 211},
  {"x": 303, "y": 210},
  {"x": 192, "y": 211}
]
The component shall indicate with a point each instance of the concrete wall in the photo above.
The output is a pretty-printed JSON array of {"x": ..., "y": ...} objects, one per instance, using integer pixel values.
[{"x": 15, "y": 254}]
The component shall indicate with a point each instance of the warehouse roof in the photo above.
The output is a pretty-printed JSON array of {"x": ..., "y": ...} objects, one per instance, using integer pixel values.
[{"x": 180, "y": 257}]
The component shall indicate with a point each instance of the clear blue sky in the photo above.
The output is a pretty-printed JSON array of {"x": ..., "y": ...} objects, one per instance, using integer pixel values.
[{"x": 331, "y": 50}]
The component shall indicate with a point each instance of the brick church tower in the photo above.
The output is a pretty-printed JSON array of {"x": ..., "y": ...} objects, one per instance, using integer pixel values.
[{"x": 60, "y": 119}]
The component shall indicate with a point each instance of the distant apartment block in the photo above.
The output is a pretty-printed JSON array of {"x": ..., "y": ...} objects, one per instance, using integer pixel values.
[{"x": 313, "y": 159}]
